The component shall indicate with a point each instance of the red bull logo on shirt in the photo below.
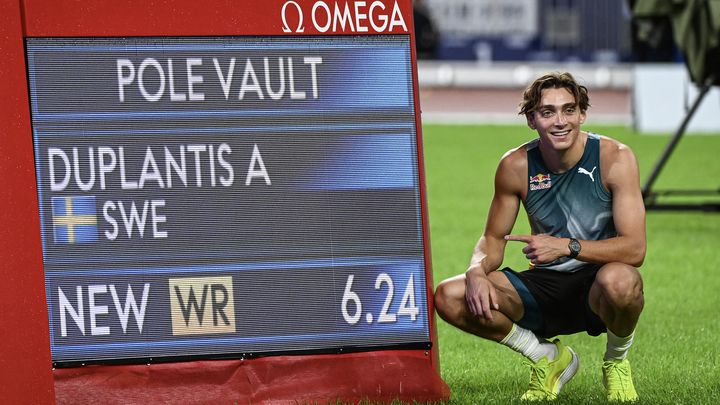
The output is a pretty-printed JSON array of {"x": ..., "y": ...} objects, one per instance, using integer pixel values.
[{"x": 540, "y": 181}]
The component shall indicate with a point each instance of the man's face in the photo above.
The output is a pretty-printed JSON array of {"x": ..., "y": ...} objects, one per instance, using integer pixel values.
[{"x": 557, "y": 119}]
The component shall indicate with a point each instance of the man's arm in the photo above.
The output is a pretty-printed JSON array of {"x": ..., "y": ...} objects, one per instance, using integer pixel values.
[
  {"x": 622, "y": 177},
  {"x": 489, "y": 250}
]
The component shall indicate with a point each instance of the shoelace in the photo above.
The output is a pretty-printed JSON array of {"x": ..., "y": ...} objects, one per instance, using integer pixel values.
[
  {"x": 616, "y": 375},
  {"x": 537, "y": 377}
]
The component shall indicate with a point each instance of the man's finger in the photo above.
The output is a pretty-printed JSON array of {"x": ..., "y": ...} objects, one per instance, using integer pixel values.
[
  {"x": 471, "y": 305},
  {"x": 519, "y": 238},
  {"x": 493, "y": 300},
  {"x": 486, "y": 310}
]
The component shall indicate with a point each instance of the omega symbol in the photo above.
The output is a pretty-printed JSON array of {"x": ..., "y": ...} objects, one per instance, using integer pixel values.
[{"x": 286, "y": 27}]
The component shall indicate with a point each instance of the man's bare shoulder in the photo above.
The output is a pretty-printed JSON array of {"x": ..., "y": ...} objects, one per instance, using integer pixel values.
[
  {"x": 515, "y": 159},
  {"x": 612, "y": 149},
  {"x": 616, "y": 159},
  {"x": 512, "y": 170}
]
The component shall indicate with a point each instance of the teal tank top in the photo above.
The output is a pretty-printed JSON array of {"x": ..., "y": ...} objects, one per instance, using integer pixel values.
[{"x": 573, "y": 204}]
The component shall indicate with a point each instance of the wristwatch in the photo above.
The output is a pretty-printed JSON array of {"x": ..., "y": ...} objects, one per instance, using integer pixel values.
[{"x": 575, "y": 247}]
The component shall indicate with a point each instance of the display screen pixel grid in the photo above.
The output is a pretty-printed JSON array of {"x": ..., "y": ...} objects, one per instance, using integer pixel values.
[{"x": 201, "y": 196}]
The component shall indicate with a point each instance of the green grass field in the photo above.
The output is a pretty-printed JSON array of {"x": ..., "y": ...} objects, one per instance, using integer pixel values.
[{"x": 675, "y": 357}]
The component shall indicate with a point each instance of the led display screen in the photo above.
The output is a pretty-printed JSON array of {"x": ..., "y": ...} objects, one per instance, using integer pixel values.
[{"x": 227, "y": 196}]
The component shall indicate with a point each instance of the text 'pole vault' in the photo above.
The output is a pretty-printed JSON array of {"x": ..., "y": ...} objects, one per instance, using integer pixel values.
[{"x": 155, "y": 79}]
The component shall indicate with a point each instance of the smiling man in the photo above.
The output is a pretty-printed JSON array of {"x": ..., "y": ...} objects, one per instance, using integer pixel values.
[{"x": 581, "y": 192}]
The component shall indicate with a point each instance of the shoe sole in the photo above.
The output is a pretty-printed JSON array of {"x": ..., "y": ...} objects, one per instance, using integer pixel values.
[{"x": 569, "y": 371}]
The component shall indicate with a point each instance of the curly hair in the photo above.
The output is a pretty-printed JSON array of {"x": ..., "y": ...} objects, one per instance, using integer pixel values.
[{"x": 556, "y": 80}]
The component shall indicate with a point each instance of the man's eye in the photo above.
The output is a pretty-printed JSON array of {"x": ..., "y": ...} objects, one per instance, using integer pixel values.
[{"x": 546, "y": 114}]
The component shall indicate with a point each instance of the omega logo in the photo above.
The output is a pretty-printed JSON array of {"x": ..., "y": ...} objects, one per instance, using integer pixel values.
[{"x": 353, "y": 16}]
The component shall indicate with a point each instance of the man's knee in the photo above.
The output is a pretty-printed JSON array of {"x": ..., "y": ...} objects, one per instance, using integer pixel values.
[
  {"x": 450, "y": 304},
  {"x": 449, "y": 298},
  {"x": 620, "y": 284}
]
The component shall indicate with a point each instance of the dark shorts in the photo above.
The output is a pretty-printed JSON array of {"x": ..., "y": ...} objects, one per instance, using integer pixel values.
[{"x": 556, "y": 303}]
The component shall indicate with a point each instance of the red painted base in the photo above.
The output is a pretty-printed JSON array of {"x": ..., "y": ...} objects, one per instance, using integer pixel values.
[{"x": 382, "y": 376}]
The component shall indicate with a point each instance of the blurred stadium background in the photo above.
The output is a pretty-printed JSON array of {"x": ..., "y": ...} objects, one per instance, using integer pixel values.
[{"x": 476, "y": 55}]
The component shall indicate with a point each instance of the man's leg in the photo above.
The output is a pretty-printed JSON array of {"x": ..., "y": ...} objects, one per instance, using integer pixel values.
[
  {"x": 451, "y": 306},
  {"x": 616, "y": 297},
  {"x": 552, "y": 363}
]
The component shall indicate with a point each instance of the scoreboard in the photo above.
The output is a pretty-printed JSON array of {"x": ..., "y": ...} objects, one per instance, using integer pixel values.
[
  {"x": 227, "y": 195},
  {"x": 204, "y": 198}
]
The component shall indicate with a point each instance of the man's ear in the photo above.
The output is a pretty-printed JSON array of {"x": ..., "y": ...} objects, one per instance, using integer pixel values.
[
  {"x": 530, "y": 121},
  {"x": 583, "y": 115}
]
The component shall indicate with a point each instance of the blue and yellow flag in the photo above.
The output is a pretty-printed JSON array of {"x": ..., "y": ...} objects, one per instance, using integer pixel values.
[{"x": 74, "y": 219}]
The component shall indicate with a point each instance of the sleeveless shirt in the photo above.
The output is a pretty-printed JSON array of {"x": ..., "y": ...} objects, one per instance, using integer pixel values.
[{"x": 573, "y": 204}]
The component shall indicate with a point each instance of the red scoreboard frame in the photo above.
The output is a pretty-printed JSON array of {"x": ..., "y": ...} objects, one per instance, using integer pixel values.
[{"x": 25, "y": 355}]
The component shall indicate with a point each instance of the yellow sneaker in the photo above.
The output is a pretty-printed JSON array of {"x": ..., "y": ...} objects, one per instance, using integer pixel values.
[
  {"x": 548, "y": 377},
  {"x": 617, "y": 378}
]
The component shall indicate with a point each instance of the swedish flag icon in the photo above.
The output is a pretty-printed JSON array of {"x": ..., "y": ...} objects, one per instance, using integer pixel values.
[{"x": 74, "y": 219}]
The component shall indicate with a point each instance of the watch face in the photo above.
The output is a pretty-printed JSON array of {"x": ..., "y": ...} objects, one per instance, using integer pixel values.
[{"x": 574, "y": 246}]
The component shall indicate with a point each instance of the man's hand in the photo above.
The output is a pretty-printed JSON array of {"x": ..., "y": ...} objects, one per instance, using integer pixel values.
[
  {"x": 542, "y": 248},
  {"x": 480, "y": 293}
]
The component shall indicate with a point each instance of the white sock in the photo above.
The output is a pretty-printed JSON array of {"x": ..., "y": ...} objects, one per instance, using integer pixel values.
[
  {"x": 526, "y": 343},
  {"x": 618, "y": 347}
]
